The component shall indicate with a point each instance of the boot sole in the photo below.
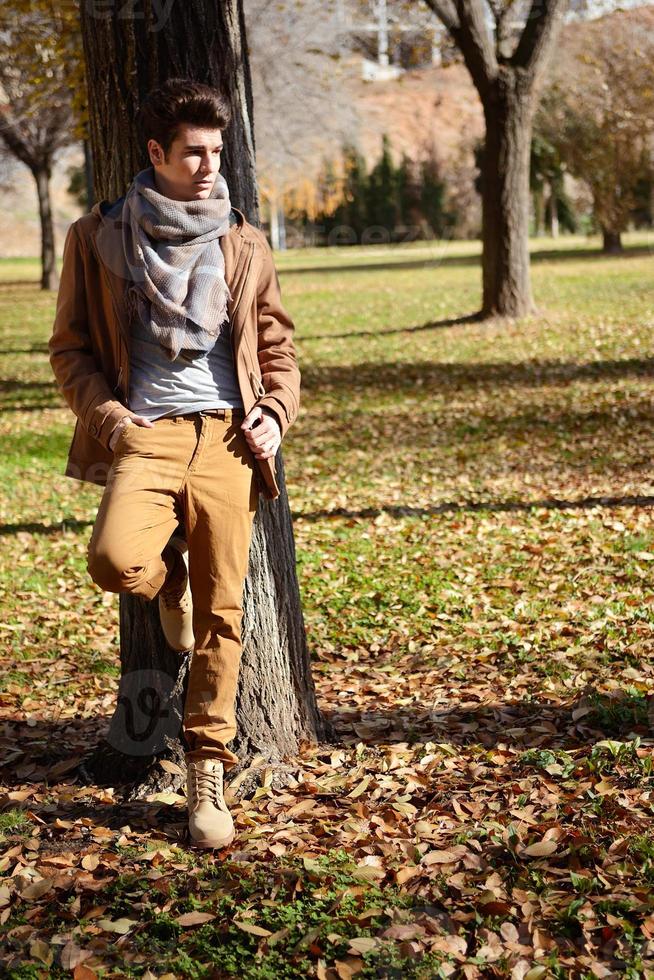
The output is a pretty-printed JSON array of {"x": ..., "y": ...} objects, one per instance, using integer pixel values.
[{"x": 204, "y": 842}]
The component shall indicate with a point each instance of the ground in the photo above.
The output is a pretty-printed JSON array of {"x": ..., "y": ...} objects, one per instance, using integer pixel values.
[{"x": 472, "y": 508}]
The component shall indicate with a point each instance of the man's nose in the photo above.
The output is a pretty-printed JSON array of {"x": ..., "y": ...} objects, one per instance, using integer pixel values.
[{"x": 205, "y": 166}]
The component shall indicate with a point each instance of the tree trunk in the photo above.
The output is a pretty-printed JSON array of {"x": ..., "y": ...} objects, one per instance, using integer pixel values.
[
  {"x": 281, "y": 218},
  {"x": 276, "y": 703},
  {"x": 552, "y": 213},
  {"x": 505, "y": 199},
  {"x": 611, "y": 241},
  {"x": 274, "y": 224},
  {"x": 128, "y": 55},
  {"x": 88, "y": 174},
  {"x": 49, "y": 276},
  {"x": 539, "y": 211},
  {"x": 506, "y": 81}
]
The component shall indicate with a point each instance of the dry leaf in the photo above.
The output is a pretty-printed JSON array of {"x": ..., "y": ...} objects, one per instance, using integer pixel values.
[
  {"x": 363, "y": 944},
  {"x": 36, "y": 889},
  {"x": 121, "y": 926},
  {"x": 82, "y": 972},
  {"x": 250, "y": 927},
  {"x": 194, "y": 918},
  {"x": 542, "y": 848}
]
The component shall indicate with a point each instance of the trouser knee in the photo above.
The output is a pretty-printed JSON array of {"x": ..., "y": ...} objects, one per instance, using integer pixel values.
[{"x": 110, "y": 572}]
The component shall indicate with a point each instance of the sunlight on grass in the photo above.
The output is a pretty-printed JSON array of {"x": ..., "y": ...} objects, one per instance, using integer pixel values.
[{"x": 472, "y": 513}]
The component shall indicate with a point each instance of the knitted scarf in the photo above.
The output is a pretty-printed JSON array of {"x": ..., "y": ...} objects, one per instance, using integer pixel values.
[{"x": 176, "y": 264}]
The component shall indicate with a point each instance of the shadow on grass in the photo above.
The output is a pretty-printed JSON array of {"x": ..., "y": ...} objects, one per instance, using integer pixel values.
[
  {"x": 452, "y": 261},
  {"x": 32, "y": 406},
  {"x": 40, "y": 753},
  {"x": 512, "y": 723},
  {"x": 454, "y": 321},
  {"x": 473, "y": 506},
  {"x": 17, "y": 395},
  {"x": 7, "y": 530},
  {"x": 20, "y": 284},
  {"x": 402, "y": 375},
  {"x": 17, "y": 384},
  {"x": 367, "y": 513},
  {"x": 614, "y": 438},
  {"x": 34, "y": 349}
]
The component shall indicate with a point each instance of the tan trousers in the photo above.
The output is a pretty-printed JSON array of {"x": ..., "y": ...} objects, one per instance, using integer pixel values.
[{"x": 198, "y": 468}]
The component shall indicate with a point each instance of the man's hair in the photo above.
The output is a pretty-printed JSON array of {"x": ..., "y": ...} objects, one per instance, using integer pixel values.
[{"x": 177, "y": 102}]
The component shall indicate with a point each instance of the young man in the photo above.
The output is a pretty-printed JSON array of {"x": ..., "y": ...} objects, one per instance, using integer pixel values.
[{"x": 172, "y": 348}]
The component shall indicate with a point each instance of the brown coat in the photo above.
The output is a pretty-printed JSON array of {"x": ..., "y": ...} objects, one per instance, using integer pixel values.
[{"x": 90, "y": 343}]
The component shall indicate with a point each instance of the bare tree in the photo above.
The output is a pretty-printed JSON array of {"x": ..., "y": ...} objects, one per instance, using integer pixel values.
[
  {"x": 300, "y": 93},
  {"x": 504, "y": 45},
  {"x": 276, "y": 704},
  {"x": 36, "y": 107},
  {"x": 598, "y": 111},
  {"x": 10, "y": 167}
]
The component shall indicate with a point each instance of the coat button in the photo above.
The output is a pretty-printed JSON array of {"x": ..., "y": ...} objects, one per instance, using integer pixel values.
[{"x": 93, "y": 429}]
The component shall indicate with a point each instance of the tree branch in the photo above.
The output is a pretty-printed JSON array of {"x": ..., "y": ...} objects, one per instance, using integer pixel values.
[
  {"x": 15, "y": 140},
  {"x": 446, "y": 13},
  {"x": 465, "y": 21},
  {"x": 543, "y": 19}
]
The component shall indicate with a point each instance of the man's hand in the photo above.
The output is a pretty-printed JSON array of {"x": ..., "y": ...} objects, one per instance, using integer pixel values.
[
  {"x": 262, "y": 433},
  {"x": 125, "y": 421}
]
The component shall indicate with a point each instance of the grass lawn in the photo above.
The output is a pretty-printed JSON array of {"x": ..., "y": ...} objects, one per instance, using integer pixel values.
[{"x": 472, "y": 510}]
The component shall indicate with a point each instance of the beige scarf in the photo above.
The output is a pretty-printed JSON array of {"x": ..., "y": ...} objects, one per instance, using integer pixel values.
[{"x": 176, "y": 264}]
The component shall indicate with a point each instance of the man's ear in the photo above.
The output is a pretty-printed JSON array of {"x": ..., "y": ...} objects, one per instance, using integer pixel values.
[{"x": 157, "y": 156}]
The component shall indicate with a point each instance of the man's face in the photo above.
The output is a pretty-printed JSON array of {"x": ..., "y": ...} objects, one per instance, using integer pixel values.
[{"x": 189, "y": 172}]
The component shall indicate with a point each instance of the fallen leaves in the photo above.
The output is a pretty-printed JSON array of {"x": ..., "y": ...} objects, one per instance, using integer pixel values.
[{"x": 474, "y": 539}]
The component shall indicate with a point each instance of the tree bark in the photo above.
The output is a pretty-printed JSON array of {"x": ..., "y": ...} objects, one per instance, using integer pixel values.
[
  {"x": 611, "y": 242},
  {"x": 49, "y": 276},
  {"x": 88, "y": 175},
  {"x": 505, "y": 200},
  {"x": 276, "y": 702}
]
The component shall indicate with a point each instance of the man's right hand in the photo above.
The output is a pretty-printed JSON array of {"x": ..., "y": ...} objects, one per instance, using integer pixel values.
[{"x": 125, "y": 421}]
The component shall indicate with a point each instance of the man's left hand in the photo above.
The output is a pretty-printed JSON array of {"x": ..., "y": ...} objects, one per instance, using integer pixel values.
[{"x": 265, "y": 438}]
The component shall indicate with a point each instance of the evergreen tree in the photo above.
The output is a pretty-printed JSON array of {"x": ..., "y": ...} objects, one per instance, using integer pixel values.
[
  {"x": 408, "y": 190},
  {"x": 432, "y": 196},
  {"x": 351, "y": 212},
  {"x": 410, "y": 196},
  {"x": 383, "y": 200}
]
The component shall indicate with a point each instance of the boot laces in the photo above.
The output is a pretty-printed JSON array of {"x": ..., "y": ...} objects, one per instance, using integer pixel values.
[
  {"x": 174, "y": 594},
  {"x": 207, "y": 786}
]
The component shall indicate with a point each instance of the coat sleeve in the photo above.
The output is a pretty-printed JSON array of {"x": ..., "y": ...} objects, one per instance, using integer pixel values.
[
  {"x": 276, "y": 350},
  {"x": 81, "y": 382}
]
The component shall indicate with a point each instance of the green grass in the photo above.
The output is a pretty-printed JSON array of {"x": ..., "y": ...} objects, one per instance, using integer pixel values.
[{"x": 475, "y": 553}]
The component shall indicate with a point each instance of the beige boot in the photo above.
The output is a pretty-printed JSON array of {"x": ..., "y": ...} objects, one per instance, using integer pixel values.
[
  {"x": 210, "y": 823},
  {"x": 175, "y": 601}
]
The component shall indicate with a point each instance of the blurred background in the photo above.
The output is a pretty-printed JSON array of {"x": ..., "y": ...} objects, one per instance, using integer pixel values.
[{"x": 365, "y": 116}]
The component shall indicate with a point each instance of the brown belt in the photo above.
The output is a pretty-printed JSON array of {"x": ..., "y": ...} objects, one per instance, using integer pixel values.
[{"x": 218, "y": 413}]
